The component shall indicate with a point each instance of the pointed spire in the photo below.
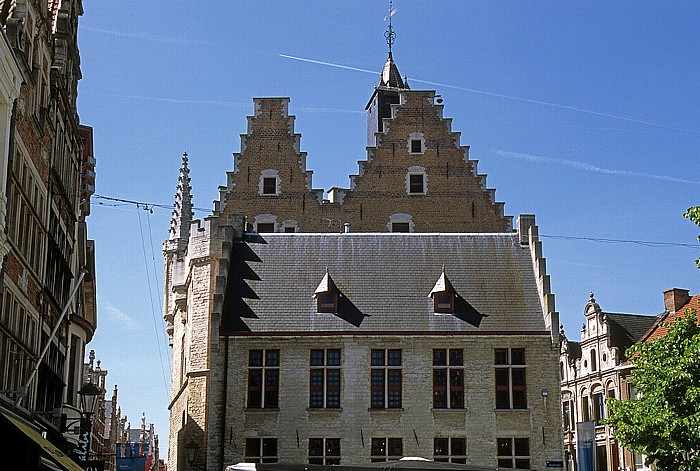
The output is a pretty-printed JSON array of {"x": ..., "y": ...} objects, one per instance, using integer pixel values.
[
  {"x": 183, "y": 213},
  {"x": 390, "y": 74}
]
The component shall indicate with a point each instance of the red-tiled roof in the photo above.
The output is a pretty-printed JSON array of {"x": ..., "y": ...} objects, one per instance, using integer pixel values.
[{"x": 657, "y": 330}]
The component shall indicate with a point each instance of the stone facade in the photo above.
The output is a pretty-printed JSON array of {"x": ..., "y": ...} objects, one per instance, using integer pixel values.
[
  {"x": 227, "y": 282},
  {"x": 591, "y": 371}
]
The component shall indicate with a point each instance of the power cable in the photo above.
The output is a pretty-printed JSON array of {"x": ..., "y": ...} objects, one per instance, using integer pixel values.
[
  {"x": 645, "y": 243},
  {"x": 150, "y": 293}
]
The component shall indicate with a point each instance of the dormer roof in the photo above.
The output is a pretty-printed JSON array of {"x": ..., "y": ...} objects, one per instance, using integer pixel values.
[
  {"x": 442, "y": 285},
  {"x": 327, "y": 285}
]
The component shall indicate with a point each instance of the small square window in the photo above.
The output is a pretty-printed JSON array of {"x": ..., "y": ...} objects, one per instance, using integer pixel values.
[
  {"x": 416, "y": 183},
  {"x": 269, "y": 185},
  {"x": 327, "y": 302},
  {"x": 290, "y": 229},
  {"x": 416, "y": 146},
  {"x": 444, "y": 303}
]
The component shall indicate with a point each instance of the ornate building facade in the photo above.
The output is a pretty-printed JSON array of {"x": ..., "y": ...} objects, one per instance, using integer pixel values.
[
  {"x": 47, "y": 290},
  {"x": 591, "y": 371},
  {"x": 403, "y": 316}
]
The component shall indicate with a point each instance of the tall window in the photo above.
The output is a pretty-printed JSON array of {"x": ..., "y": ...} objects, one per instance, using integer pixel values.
[
  {"x": 510, "y": 378},
  {"x": 324, "y": 451},
  {"x": 585, "y": 409},
  {"x": 453, "y": 450},
  {"x": 448, "y": 379},
  {"x": 261, "y": 450},
  {"x": 598, "y": 407},
  {"x": 385, "y": 449},
  {"x": 513, "y": 453},
  {"x": 263, "y": 379},
  {"x": 566, "y": 415},
  {"x": 324, "y": 388},
  {"x": 386, "y": 379}
]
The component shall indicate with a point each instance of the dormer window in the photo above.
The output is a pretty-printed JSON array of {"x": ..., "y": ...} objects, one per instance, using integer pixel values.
[
  {"x": 444, "y": 303},
  {"x": 327, "y": 295},
  {"x": 327, "y": 302},
  {"x": 443, "y": 295}
]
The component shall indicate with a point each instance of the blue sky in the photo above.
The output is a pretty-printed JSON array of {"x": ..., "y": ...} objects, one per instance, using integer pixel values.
[{"x": 584, "y": 114}]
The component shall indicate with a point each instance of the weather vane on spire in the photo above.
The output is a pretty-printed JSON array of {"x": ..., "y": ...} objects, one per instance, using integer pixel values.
[{"x": 390, "y": 35}]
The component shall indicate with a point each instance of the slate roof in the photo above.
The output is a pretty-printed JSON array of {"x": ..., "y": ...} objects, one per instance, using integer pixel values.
[
  {"x": 384, "y": 281},
  {"x": 628, "y": 329}
]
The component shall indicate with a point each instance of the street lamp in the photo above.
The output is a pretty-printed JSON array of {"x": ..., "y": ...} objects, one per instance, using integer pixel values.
[
  {"x": 89, "y": 395},
  {"x": 191, "y": 449}
]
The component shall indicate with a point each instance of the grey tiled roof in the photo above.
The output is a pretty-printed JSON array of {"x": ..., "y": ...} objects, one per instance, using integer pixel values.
[
  {"x": 627, "y": 329},
  {"x": 384, "y": 280}
]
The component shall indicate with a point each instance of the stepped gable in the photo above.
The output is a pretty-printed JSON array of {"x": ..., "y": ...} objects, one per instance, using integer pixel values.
[
  {"x": 455, "y": 197},
  {"x": 270, "y": 149}
]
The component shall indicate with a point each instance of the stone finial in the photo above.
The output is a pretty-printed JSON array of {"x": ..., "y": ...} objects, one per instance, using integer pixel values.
[{"x": 183, "y": 210}]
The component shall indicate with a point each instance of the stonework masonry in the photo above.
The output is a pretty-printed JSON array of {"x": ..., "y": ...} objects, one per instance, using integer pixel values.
[{"x": 222, "y": 282}]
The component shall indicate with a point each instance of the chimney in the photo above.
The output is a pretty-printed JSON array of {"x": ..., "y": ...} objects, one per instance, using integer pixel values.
[
  {"x": 675, "y": 298},
  {"x": 346, "y": 228}
]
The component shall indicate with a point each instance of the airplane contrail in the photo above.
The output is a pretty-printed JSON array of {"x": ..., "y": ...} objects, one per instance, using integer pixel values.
[
  {"x": 590, "y": 168},
  {"x": 498, "y": 95}
]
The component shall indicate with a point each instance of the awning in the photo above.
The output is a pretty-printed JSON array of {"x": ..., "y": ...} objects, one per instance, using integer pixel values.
[{"x": 48, "y": 448}]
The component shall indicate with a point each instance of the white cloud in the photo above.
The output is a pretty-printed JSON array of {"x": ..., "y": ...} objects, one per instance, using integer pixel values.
[{"x": 114, "y": 314}]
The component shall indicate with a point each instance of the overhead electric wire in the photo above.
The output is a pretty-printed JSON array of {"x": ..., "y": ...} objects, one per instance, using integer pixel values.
[
  {"x": 150, "y": 294},
  {"x": 155, "y": 276},
  {"x": 645, "y": 243}
]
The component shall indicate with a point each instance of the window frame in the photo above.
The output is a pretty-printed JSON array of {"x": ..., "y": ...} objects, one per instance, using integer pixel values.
[
  {"x": 262, "y": 444},
  {"x": 327, "y": 302},
  {"x": 386, "y": 379},
  {"x": 327, "y": 370},
  {"x": 450, "y": 456},
  {"x": 412, "y": 139},
  {"x": 449, "y": 366},
  {"x": 513, "y": 459},
  {"x": 266, "y": 385},
  {"x": 385, "y": 445},
  {"x": 326, "y": 457},
  {"x": 510, "y": 379},
  {"x": 416, "y": 171},
  {"x": 265, "y": 176}
]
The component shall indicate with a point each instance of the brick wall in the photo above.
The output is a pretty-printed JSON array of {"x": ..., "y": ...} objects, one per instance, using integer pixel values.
[{"x": 456, "y": 198}]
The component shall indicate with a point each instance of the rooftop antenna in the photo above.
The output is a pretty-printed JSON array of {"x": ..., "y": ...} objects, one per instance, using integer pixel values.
[{"x": 390, "y": 35}]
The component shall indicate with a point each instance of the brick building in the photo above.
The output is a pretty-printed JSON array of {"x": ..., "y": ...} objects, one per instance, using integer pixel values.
[
  {"x": 47, "y": 290},
  {"x": 402, "y": 316}
]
